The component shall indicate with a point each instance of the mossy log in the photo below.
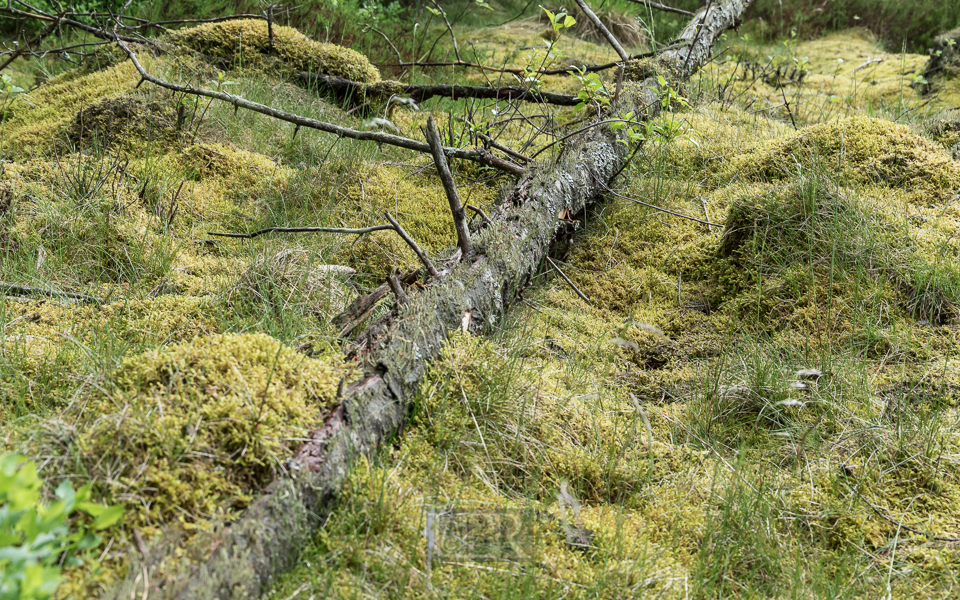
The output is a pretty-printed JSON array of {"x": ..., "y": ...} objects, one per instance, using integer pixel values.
[{"x": 242, "y": 560}]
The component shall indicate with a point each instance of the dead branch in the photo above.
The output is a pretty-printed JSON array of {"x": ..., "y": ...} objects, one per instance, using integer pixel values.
[
  {"x": 476, "y": 155},
  {"x": 419, "y": 93},
  {"x": 23, "y": 290},
  {"x": 342, "y": 230},
  {"x": 558, "y": 71},
  {"x": 572, "y": 285},
  {"x": 36, "y": 40},
  {"x": 663, "y": 7},
  {"x": 398, "y": 291},
  {"x": 413, "y": 246},
  {"x": 655, "y": 207},
  {"x": 489, "y": 141},
  {"x": 480, "y": 212},
  {"x": 450, "y": 187},
  {"x": 44, "y": 16},
  {"x": 603, "y": 29}
]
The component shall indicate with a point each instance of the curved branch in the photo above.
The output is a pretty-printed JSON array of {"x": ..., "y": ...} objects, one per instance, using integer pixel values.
[{"x": 477, "y": 155}]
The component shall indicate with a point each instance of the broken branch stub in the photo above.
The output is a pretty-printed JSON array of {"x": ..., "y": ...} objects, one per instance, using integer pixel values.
[{"x": 266, "y": 540}]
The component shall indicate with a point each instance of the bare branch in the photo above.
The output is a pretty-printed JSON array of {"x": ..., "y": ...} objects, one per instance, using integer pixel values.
[
  {"x": 572, "y": 285},
  {"x": 477, "y": 155},
  {"x": 480, "y": 212},
  {"x": 398, "y": 291},
  {"x": 23, "y": 290},
  {"x": 36, "y": 40},
  {"x": 413, "y": 246},
  {"x": 450, "y": 187},
  {"x": 663, "y": 7},
  {"x": 342, "y": 230},
  {"x": 423, "y": 92},
  {"x": 603, "y": 29}
]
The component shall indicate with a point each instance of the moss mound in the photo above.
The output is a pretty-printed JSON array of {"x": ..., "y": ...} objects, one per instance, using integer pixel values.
[
  {"x": 247, "y": 43},
  {"x": 191, "y": 430},
  {"x": 859, "y": 150},
  {"x": 124, "y": 119},
  {"x": 38, "y": 119}
]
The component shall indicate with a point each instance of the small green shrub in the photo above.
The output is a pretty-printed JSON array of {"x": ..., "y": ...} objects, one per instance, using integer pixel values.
[{"x": 37, "y": 539}]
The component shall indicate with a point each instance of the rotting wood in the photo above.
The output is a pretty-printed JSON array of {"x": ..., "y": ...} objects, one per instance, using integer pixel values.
[{"x": 248, "y": 555}]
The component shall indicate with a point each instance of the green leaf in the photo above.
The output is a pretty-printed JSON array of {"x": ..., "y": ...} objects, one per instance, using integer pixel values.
[
  {"x": 569, "y": 21},
  {"x": 107, "y": 518}
]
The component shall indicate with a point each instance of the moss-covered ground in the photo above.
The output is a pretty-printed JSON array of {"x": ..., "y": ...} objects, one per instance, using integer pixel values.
[{"x": 761, "y": 402}]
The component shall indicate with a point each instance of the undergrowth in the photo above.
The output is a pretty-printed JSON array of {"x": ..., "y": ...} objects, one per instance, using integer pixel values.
[{"x": 760, "y": 402}]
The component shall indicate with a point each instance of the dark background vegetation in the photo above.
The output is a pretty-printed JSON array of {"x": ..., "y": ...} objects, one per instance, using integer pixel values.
[{"x": 909, "y": 26}]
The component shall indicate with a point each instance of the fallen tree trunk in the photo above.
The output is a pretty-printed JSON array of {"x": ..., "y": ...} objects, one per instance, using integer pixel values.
[{"x": 244, "y": 559}]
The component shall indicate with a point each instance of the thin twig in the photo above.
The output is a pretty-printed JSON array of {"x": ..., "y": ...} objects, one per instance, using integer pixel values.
[
  {"x": 477, "y": 155},
  {"x": 663, "y": 7},
  {"x": 655, "y": 207},
  {"x": 342, "y": 230},
  {"x": 783, "y": 94},
  {"x": 23, "y": 290},
  {"x": 413, "y": 246},
  {"x": 696, "y": 38},
  {"x": 493, "y": 144},
  {"x": 480, "y": 212},
  {"x": 603, "y": 29},
  {"x": 443, "y": 13},
  {"x": 36, "y": 40},
  {"x": 572, "y": 285}
]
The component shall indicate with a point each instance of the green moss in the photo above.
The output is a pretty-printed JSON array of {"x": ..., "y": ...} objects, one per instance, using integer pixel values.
[
  {"x": 858, "y": 150},
  {"x": 246, "y": 43},
  {"x": 40, "y": 117},
  {"x": 189, "y": 431},
  {"x": 129, "y": 120}
]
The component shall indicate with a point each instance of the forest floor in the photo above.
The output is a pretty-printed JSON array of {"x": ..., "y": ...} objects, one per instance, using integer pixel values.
[{"x": 761, "y": 402}]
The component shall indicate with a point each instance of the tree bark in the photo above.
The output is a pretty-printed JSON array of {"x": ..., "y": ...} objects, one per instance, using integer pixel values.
[{"x": 249, "y": 554}]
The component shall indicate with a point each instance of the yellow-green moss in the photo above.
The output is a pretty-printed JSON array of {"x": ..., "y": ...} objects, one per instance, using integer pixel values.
[
  {"x": 246, "y": 43},
  {"x": 859, "y": 150},
  {"x": 128, "y": 120},
  {"x": 189, "y": 431},
  {"x": 40, "y": 117},
  {"x": 420, "y": 205}
]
